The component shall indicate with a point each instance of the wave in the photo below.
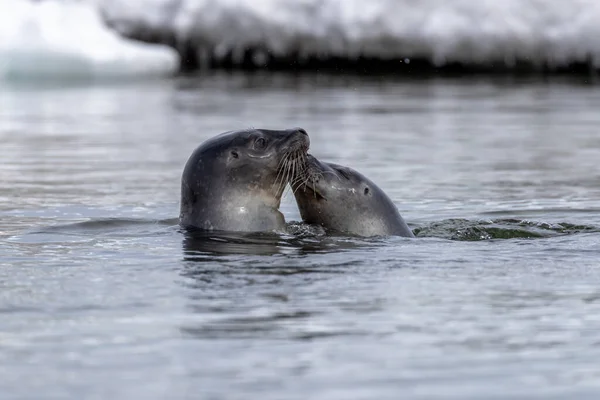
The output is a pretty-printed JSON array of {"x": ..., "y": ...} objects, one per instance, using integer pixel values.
[
  {"x": 299, "y": 236},
  {"x": 505, "y": 228}
]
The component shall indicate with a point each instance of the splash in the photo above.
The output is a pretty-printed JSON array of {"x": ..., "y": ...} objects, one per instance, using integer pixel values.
[{"x": 474, "y": 230}]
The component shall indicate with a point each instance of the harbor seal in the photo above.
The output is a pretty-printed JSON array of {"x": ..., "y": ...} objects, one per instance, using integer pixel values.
[
  {"x": 343, "y": 200},
  {"x": 235, "y": 180}
]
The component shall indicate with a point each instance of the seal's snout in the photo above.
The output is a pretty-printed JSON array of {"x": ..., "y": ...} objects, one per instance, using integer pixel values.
[
  {"x": 300, "y": 138},
  {"x": 298, "y": 131}
]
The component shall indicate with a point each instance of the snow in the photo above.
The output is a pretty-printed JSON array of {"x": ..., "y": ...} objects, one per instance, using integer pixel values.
[
  {"x": 55, "y": 39},
  {"x": 543, "y": 32},
  {"x": 69, "y": 39}
]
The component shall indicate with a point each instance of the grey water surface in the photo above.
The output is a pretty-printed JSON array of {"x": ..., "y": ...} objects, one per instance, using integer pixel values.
[{"x": 498, "y": 296}]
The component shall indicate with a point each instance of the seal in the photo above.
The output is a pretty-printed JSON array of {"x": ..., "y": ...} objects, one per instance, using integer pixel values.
[
  {"x": 235, "y": 180},
  {"x": 343, "y": 200}
]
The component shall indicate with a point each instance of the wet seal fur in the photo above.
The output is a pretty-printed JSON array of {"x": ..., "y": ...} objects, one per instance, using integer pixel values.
[
  {"x": 235, "y": 180},
  {"x": 343, "y": 200}
]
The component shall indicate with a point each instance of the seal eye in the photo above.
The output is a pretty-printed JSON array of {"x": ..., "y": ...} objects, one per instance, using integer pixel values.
[
  {"x": 366, "y": 190},
  {"x": 260, "y": 143}
]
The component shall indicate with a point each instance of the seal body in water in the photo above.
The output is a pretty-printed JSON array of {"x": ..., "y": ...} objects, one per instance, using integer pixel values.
[
  {"x": 235, "y": 180},
  {"x": 343, "y": 200}
]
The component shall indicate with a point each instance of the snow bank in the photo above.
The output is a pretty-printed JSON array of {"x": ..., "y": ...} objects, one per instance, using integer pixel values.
[
  {"x": 553, "y": 33},
  {"x": 66, "y": 40}
]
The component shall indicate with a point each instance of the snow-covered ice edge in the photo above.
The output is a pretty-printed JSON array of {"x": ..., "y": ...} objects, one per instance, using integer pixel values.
[{"x": 541, "y": 33}]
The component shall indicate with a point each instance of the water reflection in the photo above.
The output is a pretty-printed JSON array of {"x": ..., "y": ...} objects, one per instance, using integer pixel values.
[
  {"x": 299, "y": 240},
  {"x": 241, "y": 285},
  {"x": 197, "y": 245}
]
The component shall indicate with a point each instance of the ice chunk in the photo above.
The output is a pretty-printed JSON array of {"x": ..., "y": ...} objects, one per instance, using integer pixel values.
[
  {"x": 552, "y": 33},
  {"x": 69, "y": 40}
]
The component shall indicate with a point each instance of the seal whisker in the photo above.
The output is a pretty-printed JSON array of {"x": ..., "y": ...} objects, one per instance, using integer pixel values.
[
  {"x": 281, "y": 180},
  {"x": 297, "y": 182},
  {"x": 286, "y": 176},
  {"x": 301, "y": 174},
  {"x": 295, "y": 170},
  {"x": 293, "y": 175},
  {"x": 292, "y": 172},
  {"x": 280, "y": 169},
  {"x": 284, "y": 184},
  {"x": 304, "y": 173},
  {"x": 298, "y": 186},
  {"x": 304, "y": 181}
]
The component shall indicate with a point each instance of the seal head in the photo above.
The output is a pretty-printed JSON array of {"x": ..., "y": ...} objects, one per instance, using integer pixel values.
[
  {"x": 341, "y": 199},
  {"x": 235, "y": 180}
]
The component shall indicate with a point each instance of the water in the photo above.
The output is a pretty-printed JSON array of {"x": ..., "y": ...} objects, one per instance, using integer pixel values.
[{"x": 101, "y": 296}]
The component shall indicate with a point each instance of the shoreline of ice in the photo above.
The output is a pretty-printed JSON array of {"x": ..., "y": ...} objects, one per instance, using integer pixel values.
[
  {"x": 68, "y": 40},
  {"x": 510, "y": 33},
  {"x": 114, "y": 39}
]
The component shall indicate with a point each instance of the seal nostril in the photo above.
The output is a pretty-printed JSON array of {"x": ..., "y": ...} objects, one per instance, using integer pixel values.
[{"x": 300, "y": 130}]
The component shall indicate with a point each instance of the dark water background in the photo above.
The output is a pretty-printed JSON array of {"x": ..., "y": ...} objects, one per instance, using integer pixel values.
[{"x": 102, "y": 297}]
